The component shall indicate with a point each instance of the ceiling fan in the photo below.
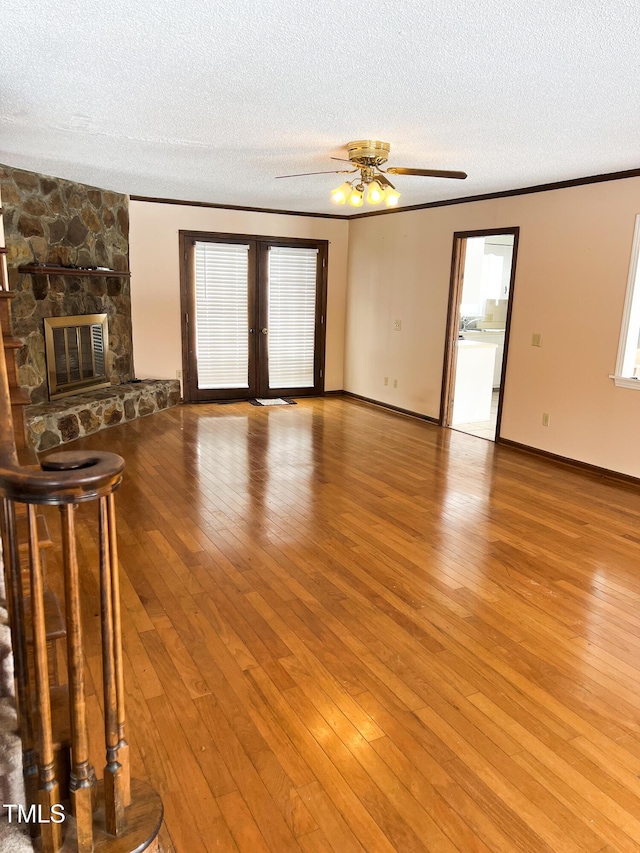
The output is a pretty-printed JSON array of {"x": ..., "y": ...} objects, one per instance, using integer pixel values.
[{"x": 367, "y": 157}]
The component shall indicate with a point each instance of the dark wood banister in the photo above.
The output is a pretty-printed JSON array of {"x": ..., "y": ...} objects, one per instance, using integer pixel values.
[
  {"x": 64, "y": 478},
  {"x": 123, "y": 815}
]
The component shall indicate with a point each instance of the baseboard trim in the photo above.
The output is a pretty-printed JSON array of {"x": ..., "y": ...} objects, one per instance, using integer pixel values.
[
  {"x": 334, "y": 393},
  {"x": 391, "y": 408},
  {"x": 595, "y": 470},
  {"x": 586, "y": 467}
]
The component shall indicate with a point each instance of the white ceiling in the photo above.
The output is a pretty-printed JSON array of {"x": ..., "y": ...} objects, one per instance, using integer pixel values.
[{"x": 209, "y": 100}]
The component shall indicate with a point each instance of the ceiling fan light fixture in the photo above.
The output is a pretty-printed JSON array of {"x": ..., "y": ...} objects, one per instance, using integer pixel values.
[
  {"x": 367, "y": 157},
  {"x": 375, "y": 193},
  {"x": 356, "y": 197},
  {"x": 341, "y": 193},
  {"x": 392, "y": 197}
]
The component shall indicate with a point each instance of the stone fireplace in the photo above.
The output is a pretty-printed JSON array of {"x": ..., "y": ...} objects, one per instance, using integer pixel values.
[
  {"x": 60, "y": 228},
  {"x": 76, "y": 350},
  {"x": 68, "y": 264}
]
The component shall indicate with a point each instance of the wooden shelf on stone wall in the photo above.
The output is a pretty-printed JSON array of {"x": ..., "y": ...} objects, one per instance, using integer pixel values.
[{"x": 46, "y": 269}]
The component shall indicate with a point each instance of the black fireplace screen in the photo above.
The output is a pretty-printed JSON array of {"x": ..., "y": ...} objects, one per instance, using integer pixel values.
[{"x": 76, "y": 349}]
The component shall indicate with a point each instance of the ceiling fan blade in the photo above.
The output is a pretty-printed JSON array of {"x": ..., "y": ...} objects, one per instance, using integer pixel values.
[
  {"x": 330, "y": 172},
  {"x": 427, "y": 173},
  {"x": 385, "y": 182},
  {"x": 341, "y": 159}
]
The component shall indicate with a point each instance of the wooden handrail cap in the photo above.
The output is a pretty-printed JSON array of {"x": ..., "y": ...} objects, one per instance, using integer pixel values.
[
  {"x": 69, "y": 460},
  {"x": 65, "y": 477}
]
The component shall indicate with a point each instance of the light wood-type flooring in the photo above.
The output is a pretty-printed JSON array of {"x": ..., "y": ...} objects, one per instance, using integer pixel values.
[{"x": 348, "y": 630}]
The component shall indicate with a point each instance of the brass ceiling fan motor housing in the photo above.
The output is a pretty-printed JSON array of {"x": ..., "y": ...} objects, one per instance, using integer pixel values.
[{"x": 368, "y": 152}]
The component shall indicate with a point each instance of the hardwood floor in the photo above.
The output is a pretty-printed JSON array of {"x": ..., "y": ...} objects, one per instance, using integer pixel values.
[{"x": 346, "y": 630}]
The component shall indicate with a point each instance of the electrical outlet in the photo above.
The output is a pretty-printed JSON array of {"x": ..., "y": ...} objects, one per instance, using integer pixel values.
[
  {"x": 178, "y": 374},
  {"x": 386, "y": 380},
  {"x": 536, "y": 339},
  {"x": 397, "y": 325},
  {"x": 395, "y": 383},
  {"x": 545, "y": 419}
]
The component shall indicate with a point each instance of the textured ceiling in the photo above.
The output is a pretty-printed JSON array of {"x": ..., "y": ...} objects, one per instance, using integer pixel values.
[{"x": 209, "y": 101}]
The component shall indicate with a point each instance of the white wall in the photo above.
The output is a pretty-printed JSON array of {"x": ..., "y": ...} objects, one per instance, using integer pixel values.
[
  {"x": 399, "y": 269},
  {"x": 155, "y": 277},
  {"x": 572, "y": 268},
  {"x": 571, "y": 275}
]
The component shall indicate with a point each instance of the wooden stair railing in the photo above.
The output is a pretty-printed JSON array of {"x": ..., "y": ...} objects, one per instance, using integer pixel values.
[
  {"x": 115, "y": 814},
  {"x": 118, "y": 815},
  {"x": 19, "y": 399}
]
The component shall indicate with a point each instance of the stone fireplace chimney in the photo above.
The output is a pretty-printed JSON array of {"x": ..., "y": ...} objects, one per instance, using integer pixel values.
[{"x": 60, "y": 228}]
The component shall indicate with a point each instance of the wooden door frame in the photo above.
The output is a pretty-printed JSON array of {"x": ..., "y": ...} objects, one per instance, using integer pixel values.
[
  {"x": 458, "y": 256},
  {"x": 257, "y": 255},
  {"x": 319, "y": 343},
  {"x": 191, "y": 392}
]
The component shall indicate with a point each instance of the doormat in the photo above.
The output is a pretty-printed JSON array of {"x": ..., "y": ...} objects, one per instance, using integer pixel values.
[{"x": 279, "y": 401}]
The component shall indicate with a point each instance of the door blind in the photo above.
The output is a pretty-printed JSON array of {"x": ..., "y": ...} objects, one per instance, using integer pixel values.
[
  {"x": 222, "y": 317},
  {"x": 292, "y": 316}
]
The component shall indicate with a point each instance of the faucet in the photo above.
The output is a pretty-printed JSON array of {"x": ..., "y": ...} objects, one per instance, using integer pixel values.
[{"x": 466, "y": 322}]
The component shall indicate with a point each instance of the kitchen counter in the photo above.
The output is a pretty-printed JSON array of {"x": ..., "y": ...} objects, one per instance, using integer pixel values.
[
  {"x": 474, "y": 381},
  {"x": 490, "y": 336}
]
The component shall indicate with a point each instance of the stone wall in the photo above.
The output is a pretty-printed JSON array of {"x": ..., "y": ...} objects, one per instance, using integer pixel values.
[
  {"x": 51, "y": 424},
  {"x": 54, "y": 221}
]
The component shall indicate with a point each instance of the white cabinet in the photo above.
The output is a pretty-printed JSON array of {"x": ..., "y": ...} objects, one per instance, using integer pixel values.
[
  {"x": 494, "y": 336},
  {"x": 473, "y": 388}
]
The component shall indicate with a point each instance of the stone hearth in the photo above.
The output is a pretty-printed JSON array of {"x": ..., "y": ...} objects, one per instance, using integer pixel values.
[{"x": 51, "y": 424}]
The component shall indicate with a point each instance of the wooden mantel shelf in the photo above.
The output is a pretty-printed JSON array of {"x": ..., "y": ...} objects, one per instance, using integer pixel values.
[{"x": 45, "y": 269}]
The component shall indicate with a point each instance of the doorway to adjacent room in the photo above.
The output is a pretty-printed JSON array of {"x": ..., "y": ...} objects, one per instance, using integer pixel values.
[{"x": 482, "y": 277}]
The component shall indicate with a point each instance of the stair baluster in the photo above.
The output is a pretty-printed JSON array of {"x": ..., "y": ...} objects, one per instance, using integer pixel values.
[
  {"x": 48, "y": 789},
  {"x": 15, "y": 602},
  {"x": 82, "y": 776},
  {"x": 123, "y": 746}
]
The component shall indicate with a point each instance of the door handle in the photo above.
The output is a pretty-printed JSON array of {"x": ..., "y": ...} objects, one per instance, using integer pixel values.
[
  {"x": 264, "y": 331},
  {"x": 251, "y": 331}
]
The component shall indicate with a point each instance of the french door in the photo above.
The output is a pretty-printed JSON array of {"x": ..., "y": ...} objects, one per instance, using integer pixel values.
[{"x": 253, "y": 316}]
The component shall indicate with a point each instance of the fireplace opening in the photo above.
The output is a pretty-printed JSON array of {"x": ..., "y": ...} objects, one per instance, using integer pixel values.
[{"x": 76, "y": 352}]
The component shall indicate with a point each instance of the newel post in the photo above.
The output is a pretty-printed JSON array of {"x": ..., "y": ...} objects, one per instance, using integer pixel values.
[{"x": 118, "y": 814}]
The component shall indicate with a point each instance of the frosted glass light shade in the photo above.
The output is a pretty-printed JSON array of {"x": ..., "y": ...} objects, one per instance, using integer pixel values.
[
  {"x": 375, "y": 193},
  {"x": 392, "y": 197},
  {"x": 356, "y": 198},
  {"x": 341, "y": 193}
]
